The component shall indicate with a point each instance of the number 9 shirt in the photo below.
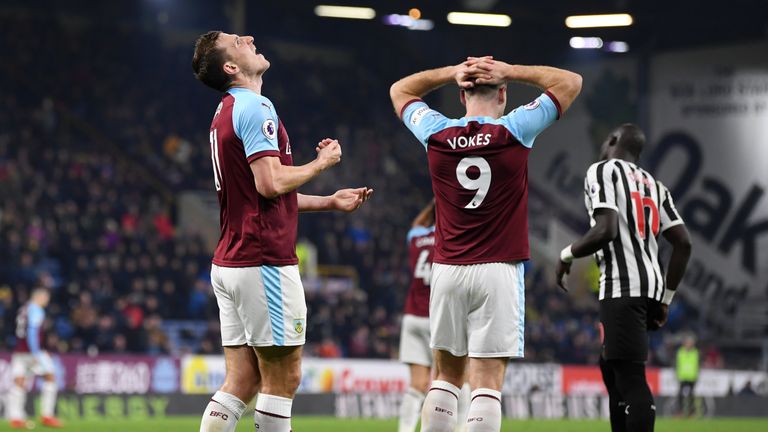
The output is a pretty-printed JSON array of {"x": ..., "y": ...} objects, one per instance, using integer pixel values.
[{"x": 479, "y": 170}]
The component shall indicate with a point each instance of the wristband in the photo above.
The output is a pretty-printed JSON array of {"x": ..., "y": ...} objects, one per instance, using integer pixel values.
[
  {"x": 667, "y": 298},
  {"x": 566, "y": 255}
]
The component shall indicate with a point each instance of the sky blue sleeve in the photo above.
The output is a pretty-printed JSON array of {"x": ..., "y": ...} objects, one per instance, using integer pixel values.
[
  {"x": 417, "y": 231},
  {"x": 35, "y": 319},
  {"x": 422, "y": 120},
  {"x": 528, "y": 121},
  {"x": 255, "y": 122}
]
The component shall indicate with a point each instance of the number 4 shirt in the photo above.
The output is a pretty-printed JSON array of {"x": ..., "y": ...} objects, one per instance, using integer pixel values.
[
  {"x": 479, "y": 170},
  {"x": 421, "y": 242}
]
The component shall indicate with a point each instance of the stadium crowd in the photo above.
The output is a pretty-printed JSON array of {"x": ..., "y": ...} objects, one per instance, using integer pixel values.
[{"x": 89, "y": 172}]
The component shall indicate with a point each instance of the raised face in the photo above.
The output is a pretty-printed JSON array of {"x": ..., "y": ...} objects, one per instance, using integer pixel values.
[{"x": 241, "y": 55}]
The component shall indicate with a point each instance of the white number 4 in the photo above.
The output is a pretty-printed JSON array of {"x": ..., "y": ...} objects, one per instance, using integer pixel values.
[
  {"x": 423, "y": 267},
  {"x": 480, "y": 184}
]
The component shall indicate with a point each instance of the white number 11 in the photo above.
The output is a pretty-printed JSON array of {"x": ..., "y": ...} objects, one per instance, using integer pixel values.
[
  {"x": 215, "y": 159},
  {"x": 480, "y": 184}
]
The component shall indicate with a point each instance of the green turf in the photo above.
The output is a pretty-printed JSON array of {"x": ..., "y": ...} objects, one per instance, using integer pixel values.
[{"x": 326, "y": 424}]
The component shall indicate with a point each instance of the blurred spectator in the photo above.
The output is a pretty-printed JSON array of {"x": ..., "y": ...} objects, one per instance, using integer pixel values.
[
  {"x": 328, "y": 348},
  {"x": 687, "y": 371},
  {"x": 712, "y": 357}
]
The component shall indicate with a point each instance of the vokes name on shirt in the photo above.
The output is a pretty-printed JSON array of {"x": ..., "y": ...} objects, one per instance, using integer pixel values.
[{"x": 477, "y": 140}]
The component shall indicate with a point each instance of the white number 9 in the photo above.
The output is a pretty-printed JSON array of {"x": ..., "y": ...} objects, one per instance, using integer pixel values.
[{"x": 480, "y": 184}]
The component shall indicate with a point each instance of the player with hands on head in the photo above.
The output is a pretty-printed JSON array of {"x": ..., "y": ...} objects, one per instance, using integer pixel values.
[
  {"x": 628, "y": 211},
  {"x": 255, "y": 273},
  {"x": 478, "y": 165}
]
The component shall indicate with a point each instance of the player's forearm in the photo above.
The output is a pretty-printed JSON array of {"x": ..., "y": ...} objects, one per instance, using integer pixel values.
[
  {"x": 419, "y": 84},
  {"x": 594, "y": 240},
  {"x": 423, "y": 218},
  {"x": 310, "y": 203},
  {"x": 289, "y": 178},
  {"x": 678, "y": 262},
  {"x": 604, "y": 230},
  {"x": 564, "y": 85}
]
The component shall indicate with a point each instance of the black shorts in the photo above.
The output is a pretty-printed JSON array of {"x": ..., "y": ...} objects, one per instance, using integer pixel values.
[{"x": 624, "y": 331}]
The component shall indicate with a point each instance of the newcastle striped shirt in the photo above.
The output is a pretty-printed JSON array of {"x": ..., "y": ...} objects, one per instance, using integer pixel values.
[{"x": 629, "y": 264}]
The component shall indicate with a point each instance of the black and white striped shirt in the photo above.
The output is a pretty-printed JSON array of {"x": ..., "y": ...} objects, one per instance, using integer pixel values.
[{"x": 629, "y": 265}]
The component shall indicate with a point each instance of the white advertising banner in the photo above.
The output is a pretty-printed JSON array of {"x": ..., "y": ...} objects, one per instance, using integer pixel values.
[
  {"x": 715, "y": 382},
  {"x": 709, "y": 123}
]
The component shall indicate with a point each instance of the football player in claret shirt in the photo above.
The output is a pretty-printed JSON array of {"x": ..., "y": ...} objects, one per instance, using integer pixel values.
[
  {"x": 479, "y": 170},
  {"x": 30, "y": 359},
  {"x": 255, "y": 273}
]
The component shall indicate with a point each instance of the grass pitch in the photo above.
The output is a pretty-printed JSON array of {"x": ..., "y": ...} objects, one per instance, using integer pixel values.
[{"x": 329, "y": 424}]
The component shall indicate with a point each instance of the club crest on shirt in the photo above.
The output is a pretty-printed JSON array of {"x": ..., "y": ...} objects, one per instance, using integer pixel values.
[
  {"x": 269, "y": 129},
  {"x": 298, "y": 325},
  {"x": 532, "y": 105},
  {"x": 594, "y": 189}
]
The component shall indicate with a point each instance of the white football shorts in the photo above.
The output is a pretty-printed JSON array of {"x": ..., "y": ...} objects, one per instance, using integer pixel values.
[
  {"x": 414, "y": 341},
  {"x": 25, "y": 364},
  {"x": 260, "y": 306},
  {"x": 478, "y": 310}
]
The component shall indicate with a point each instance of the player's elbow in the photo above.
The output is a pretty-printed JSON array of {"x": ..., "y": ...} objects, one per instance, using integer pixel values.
[
  {"x": 684, "y": 245},
  {"x": 270, "y": 194},
  {"x": 395, "y": 91},
  {"x": 398, "y": 96},
  {"x": 575, "y": 82},
  {"x": 568, "y": 89},
  {"x": 267, "y": 189},
  {"x": 608, "y": 232}
]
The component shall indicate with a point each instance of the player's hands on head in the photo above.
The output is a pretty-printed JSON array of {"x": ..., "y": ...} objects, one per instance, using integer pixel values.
[
  {"x": 494, "y": 71},
  {"x": 479, "y": 71},
  {"x": 349, "y": 200},
  {"x": 328, "y": 152},
  {"x": 563, "y": 268},
  {"x": 468, "y": 71}
]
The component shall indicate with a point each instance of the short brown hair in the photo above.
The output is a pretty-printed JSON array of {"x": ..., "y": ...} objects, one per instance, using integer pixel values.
[
  {"x": 483, "y": 90},
  {"x": 208, "y": 62}
]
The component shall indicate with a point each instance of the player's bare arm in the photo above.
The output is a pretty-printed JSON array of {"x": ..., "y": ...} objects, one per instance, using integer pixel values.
[
  {"x": 345, "y": 200},
  {"x": 421, "y": 83},
  {"x": 425, "y": 216},
  {"x": 564, "y": 85},
  {"x": 681, "y": 251},
  {"x": 680, "y": 240},
  {"x": 274, "y": 179},
  {"x": 600, "y": 235}
]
